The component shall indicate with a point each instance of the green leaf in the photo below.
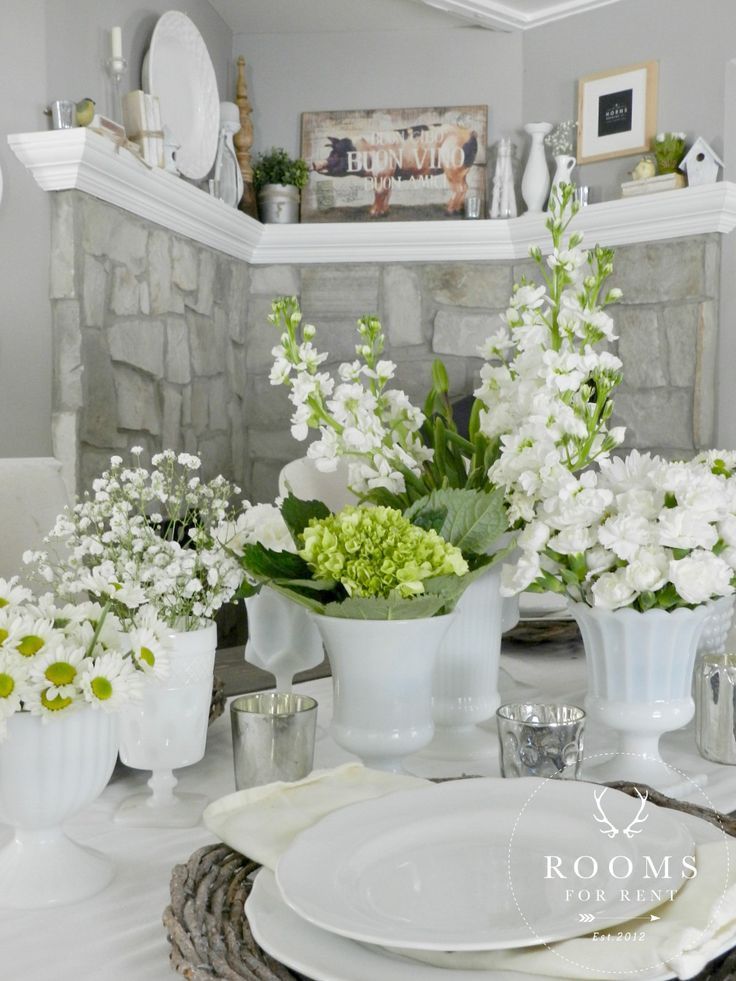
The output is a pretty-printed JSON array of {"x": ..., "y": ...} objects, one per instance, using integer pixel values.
[
  {"x": 431, "y": 520},
  {"x": 297, "y": 514},
  {"x": 246, "y": 590},
  {"x": 473, "y": 521},
  {"x": 314, "y": 585},
  {"x": 302, "y": 599},
  {"x": 265, "y": 564},
  {"x": 385, "y": 608},
  {"x": 439, "y": 376},
  {"x": 647, "y": 600}
]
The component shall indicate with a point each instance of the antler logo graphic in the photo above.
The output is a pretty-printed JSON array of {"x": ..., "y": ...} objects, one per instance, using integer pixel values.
[{"x": 609, "y": 829}]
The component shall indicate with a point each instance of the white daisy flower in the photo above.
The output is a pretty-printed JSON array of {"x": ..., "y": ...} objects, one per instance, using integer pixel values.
[
  {"x": 110, "y": 681},
  {"x": 56, "y": 671},
  {"x": 11, "y": 593},
  {"x": 13, "y": 679},
  {"x": 149, "y": 653},
  {"x": 35, "y": 635}
]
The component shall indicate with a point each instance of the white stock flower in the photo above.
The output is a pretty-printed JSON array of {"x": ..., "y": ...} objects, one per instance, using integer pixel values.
[{"x": 515, "y": 578}]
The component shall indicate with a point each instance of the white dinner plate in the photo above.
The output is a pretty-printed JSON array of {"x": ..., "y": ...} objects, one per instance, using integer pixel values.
[
  {"x": 482, "y": 864},
  {"x": 326, "y": 956},
  {"x": 178, "y": 69}
]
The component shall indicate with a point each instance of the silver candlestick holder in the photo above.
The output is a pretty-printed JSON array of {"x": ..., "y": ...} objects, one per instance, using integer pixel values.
[{"x": 116, "y": 68}]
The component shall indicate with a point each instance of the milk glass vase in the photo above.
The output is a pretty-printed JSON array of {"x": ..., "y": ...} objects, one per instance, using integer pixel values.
[
  {"x": 382, "y": 674},
  {"x": 465, "y": 681},
  {"x": 168, "y": 730},
  {"x": 281, "y": 637},
  {"x": 49, "y": 770},
  {"x": 640, "y": 672}
]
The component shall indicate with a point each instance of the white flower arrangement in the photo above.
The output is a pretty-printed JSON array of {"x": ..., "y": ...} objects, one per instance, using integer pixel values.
[
  {"x": 359, "y": 417},
  {"x": 56, "y": 658},
  {"x": 546, "y": 388},
  {"x": 642, "y": 532},
  {"x": 147, "y": 538}
]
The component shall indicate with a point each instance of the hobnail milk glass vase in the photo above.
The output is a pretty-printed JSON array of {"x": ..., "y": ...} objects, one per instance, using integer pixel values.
[
  {"x": 465, "y": 684},
  {"x": 640, "y": 669},
  {"x": 168, "y": 730},
  {"x": 714, "y": 638},
  {"x": 49, "y": 770},
  {"x": 281, "y": 637},
  {"x": 382, "y": 685}
]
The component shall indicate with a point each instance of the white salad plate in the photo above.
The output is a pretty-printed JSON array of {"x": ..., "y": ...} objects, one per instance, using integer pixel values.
[
  {"x": 178, "y": 69},
  {"x": 325, "y": 956},
  {"x": 468, "y": 865}
]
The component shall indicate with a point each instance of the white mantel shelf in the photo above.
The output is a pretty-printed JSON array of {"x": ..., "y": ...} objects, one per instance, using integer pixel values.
[{"x": 86, "y": 161}]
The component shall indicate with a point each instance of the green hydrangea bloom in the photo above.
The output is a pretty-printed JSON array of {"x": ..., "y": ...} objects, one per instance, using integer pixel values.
[{"x": 376, "y": 551}]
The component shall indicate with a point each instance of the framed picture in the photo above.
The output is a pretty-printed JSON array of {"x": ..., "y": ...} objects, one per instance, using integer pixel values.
[
  {"x": 393, "y": 164},
  {"x": 617, "y": 112}
]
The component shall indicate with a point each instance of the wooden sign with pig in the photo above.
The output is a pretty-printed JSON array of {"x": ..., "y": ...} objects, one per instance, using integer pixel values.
[{"x": 393, "y": 164}]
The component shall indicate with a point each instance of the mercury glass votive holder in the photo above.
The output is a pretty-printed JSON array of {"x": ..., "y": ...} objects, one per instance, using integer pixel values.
[{"x": 540, "y": 740}]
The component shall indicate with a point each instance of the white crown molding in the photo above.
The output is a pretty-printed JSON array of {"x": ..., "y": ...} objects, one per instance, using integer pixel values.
[
  {"x": 82, "y": 160},
  {"x": 495, "y": 13},
  {"x": 79, "y": 159}
]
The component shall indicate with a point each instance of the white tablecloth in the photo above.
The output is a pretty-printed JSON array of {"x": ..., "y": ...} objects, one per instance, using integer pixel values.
[{"x": 117, "y": 935}]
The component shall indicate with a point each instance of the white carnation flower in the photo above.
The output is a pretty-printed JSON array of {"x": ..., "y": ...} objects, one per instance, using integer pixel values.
[
  {"x": 612, "y": 590},
  {"x": 700, "y": 577}
]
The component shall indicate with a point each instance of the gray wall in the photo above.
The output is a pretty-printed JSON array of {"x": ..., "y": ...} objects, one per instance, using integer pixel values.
[
  {"x": 25, "y": 314},
  {"x": 292, "y": 73},
  {"x": 56, "y": 50}
]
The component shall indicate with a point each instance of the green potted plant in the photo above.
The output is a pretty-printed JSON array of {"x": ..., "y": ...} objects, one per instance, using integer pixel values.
[{"x": 277, "y": 180}]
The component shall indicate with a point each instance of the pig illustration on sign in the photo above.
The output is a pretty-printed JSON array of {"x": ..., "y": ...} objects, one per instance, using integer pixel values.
[{"x": 414, "y": 154}]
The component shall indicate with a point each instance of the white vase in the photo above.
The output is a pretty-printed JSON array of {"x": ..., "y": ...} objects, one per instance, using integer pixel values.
[
  {"x": 382, "y": 685},
  {"x": 168, "y": 730},
  {"x": 640, "y": 668},
  {"x": 564, "y": 166},
  {"x": 281, "y": 637},
  {"x": 49, "y": 770},
  {"x": 714, "y": 638},
  {"x": 465, "y": 684},
  {"x": 535, "y": 182}
]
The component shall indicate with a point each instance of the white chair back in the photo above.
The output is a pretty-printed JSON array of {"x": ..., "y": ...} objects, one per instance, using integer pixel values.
[
  {"x": 32, "y": 494},
  {"x": 302, "y": 478}
]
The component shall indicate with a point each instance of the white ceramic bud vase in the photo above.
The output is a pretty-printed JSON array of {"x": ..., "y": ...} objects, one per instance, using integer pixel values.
[
  {"x": 535, "y": 182},
  {"x": 640, "y": 669},
  {"x": 382, "y": 685},
  {"x": 465, "y": 684},
  {"x": 168, "y": 730},
  {"x": 49, "y": 770},
  {"x": 281, "y": 637},
  {"x": 564, "y": 166}
]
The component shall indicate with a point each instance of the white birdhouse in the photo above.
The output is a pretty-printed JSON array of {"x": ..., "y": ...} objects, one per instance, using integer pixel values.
[{"x": 701, "y": 163}]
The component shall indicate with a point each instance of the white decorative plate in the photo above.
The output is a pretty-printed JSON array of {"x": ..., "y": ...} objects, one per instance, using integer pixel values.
[
  {"x": 325, "y": 956},
  {"x": 178, "y": 69},
  {"x": 466, "y": 865}
]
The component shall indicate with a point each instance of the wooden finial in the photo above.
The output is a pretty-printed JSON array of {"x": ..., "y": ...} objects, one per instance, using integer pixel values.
[{"x": 243, "y": 141}]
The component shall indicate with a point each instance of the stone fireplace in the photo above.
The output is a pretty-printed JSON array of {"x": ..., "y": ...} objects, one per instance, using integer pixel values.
[{"x": 160, "y": 301}]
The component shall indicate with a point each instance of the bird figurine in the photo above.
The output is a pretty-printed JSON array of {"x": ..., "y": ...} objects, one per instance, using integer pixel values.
[
  {"x": 645, "y": 169},
  {"x": 85, "y": 111}
]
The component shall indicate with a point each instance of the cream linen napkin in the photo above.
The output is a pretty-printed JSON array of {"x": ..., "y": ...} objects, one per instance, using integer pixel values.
[{"x": 262, "y": 822}]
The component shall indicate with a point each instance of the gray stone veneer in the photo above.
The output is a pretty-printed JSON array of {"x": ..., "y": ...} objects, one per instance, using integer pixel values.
[{"x": 159, "y": 341}]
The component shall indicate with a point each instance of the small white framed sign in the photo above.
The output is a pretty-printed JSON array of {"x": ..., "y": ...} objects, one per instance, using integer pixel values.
[{"x": 617, "y": 112}]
